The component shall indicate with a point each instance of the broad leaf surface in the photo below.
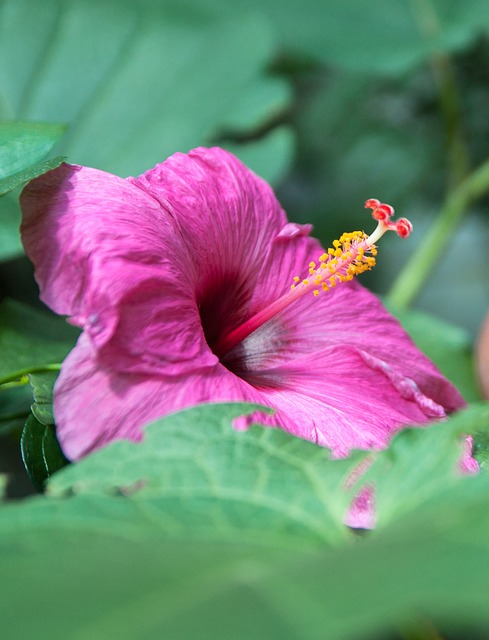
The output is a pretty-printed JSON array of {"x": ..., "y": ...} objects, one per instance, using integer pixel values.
[
  {"x": 23, "y": 144},
  {"x": 196, "y": 455},
  {"x": 31, "y": 339},
  {"x": 421, "y": 466},
  {"x": 386, "y": 36},
  {"x": 18, "y": 179},
  {"x": 10, "y": 243},
  {"x": 135, "y": 573},
  {"x": 137, "y": 81}
]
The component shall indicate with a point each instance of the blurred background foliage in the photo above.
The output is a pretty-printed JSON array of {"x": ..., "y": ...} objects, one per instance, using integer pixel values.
[{"x": 333, "y": 101}]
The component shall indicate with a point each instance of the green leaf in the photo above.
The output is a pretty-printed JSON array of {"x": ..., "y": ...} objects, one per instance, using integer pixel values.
[
  {"x": 139, "y": 575},
  {"x": 10, "y": 243},
  {"x": 197, "y": 456},
  {"x": 133, "y": 580},
  {"x": 41, "y": 452},
  {"x": 31, "y": 449},
  {"x": 481, "y": 445},
  {"x": 449, "y": 347},
  {"x": 30, "y": 339},
  {"x": 386, "y": 36},
  {"x": 42, "y": 387},
  {"x": 51, "y": 451},
  {"x": 421, "y": 466},
  {"x": 15, "y": 406},
  {"x": 24, "y": 144},
  {"x": 18, "y": 179},
  {"x": 138, "y": 81}
]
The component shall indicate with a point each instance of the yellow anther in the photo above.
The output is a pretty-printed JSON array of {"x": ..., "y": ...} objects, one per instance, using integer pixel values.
[
  {"x": 292, "y": 286},
  {"x": 349, "y": 256}
]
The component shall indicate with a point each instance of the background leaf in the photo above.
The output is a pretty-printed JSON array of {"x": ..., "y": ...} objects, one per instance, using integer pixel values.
[
  {"x": 143, "y": 96},
  {"x": 18, "y": 179},
  {"x": 31, "y": 339},
  {"x": 138, "y": 81},
  {"x": 15, "y": 406},
  {"x": 385, "y": 37},
  {"x": 449, "y": 347},
  {"x": 23, "y": 144}
]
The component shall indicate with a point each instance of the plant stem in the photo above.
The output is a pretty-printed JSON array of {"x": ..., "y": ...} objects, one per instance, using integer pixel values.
[
  {"x": 16, "y": 375},
  {"x": 463, "y": 189},
  {"x": 409, "y": 282}
]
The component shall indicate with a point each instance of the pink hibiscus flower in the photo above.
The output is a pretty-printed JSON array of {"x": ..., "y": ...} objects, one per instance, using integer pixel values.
[{"x": 181, "y": 280}]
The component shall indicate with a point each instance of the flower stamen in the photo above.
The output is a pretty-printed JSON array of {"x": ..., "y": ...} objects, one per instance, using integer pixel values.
[{"x": 352, "y": 254}]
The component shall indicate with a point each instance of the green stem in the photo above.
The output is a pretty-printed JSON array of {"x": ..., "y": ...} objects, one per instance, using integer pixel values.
[
  {"x": 407, "y": 285},
  {"x": 16, "y": 375}
]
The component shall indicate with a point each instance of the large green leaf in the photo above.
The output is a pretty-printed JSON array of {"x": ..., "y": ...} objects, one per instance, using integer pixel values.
[
  {"x": 202, "y": 531},
  {"x": 100, "y": 566},
  {"x": 10, "y": 244},
  {"x": 31, "y": 339},
  {"x": 422, "y": 466},
  {"x": 137, "y": 81},
  {"x": 31, "y": 172},
  {"x": 196, "y": 456},
  {"x": 23, "y": 144},
  {"x": 22, "y": 147},
  {"x": 386, "y": 36}
]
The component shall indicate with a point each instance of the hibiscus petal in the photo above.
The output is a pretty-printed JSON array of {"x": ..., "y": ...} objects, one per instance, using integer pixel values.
[
  {"x": 349, "y": 316},
  {"x": 334, "y": 398},
  {"x": 361, "y": 514},
  {"x": 95, "y": 405},
  {"x": 229, "y": 219},
  {"x": 71, "y": 214},
  {"x": 108, "y": 255},
  {"x": 158, "y": 268}
]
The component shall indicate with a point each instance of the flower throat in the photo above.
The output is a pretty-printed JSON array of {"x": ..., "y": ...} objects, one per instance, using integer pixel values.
[{"x": 351, "y": 255}]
